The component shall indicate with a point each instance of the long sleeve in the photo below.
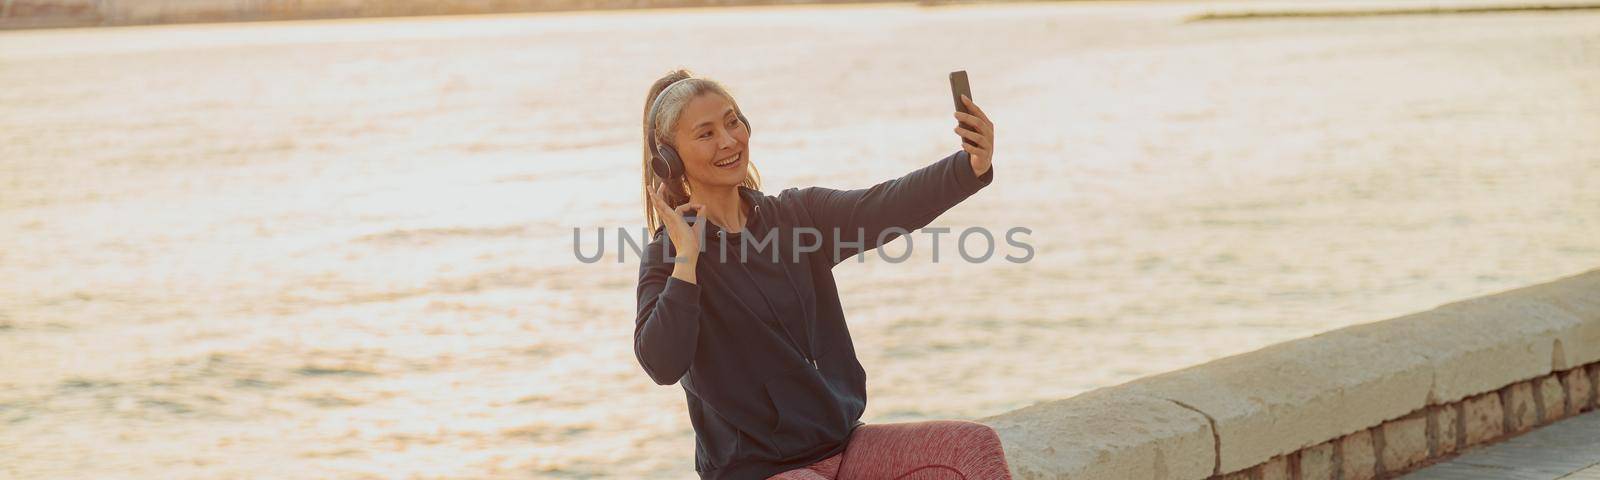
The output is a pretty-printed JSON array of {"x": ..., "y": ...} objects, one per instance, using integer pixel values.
[
  {"x": 860, "y": 217},
  {"x": 667, "y": 326}
]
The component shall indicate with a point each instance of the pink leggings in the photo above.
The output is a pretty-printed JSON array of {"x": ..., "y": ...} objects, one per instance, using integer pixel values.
[{"x": 931, "y": 450}]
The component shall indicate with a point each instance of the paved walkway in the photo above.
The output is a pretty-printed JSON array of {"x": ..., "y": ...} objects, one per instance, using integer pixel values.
[{"x": 1565, "y": 450}]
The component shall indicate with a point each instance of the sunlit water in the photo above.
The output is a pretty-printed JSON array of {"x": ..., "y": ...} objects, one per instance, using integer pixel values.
[{"x": 344, "y": 248}]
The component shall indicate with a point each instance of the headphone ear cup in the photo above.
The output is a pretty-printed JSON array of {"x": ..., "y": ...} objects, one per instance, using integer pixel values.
[
  {"x": 660, "y": 167},
  {"x": 745, "y": 121},
  {"x": 666, "y": 162}
]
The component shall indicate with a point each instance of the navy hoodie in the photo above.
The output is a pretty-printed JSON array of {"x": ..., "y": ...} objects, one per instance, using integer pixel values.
[{"x": 760, "y": 344}]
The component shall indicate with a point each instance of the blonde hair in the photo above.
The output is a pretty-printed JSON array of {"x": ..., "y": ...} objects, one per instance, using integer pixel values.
[{"x": 666, "y": 117}]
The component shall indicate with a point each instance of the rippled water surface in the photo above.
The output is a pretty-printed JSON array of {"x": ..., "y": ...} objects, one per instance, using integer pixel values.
[{"x": 344, "y": 248}]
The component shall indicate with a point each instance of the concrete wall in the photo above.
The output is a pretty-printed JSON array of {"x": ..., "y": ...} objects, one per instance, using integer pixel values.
[{"x": 1367, "y": 401}]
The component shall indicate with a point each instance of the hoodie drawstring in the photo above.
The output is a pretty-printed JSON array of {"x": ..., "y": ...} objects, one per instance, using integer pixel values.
[{"x": 810, "y": 342}]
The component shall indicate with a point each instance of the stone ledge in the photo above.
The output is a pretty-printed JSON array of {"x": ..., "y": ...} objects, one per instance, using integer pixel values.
[
  {"x": 1465, "y": 374},
  {"x": 1448, "y": 430},
  {"x": 1106, "y": 434},
  {"x": 1297, "y": 394}
]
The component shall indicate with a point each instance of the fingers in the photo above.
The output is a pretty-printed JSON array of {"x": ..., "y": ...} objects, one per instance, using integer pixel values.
[
  {"x": 975, "y": 150},
  {"x": 968, "y": 101},
  {"x": 699, "y": 227},
  {"x": 687, "y": 207},
  {"x": 982, "y": 140},
  {"x": 699, "y": 209},
  {"x": 656, "y": 199},
  {"x": 668, "y": 213},
  {"x": 663, "y": 212},
  {"x": 659, "y": 206},
  {"x": 980, "y": 124},
  {"x": 660, "y": 202},
  {"x": 976, "y": 128}
]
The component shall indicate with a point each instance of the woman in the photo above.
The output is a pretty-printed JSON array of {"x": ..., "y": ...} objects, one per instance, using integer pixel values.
[{"x": 741, "y": 308}]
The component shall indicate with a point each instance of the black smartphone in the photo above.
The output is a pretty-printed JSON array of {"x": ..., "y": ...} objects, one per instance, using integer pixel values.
[{"x": 959, "y": 87}]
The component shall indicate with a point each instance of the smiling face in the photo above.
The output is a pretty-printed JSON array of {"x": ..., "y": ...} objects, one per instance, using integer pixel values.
[{"x": 712, "y": 142}]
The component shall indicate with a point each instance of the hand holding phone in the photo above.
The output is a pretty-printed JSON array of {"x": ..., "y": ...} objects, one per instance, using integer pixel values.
[{"x": 974, "y": 127}]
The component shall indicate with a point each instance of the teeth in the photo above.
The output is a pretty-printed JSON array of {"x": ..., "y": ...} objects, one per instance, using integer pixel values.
[{"x": 729, "y": 161}]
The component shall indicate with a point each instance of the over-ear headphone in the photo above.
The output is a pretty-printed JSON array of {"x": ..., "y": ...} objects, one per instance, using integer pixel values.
[{"x": 665, "y": 161}]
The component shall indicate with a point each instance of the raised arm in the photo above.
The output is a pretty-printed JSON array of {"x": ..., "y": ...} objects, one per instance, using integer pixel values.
[
  {"x": 667, "y": 324},
  {"x": 667, "y": 327},
  {"x": 866, "y": 218}
]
